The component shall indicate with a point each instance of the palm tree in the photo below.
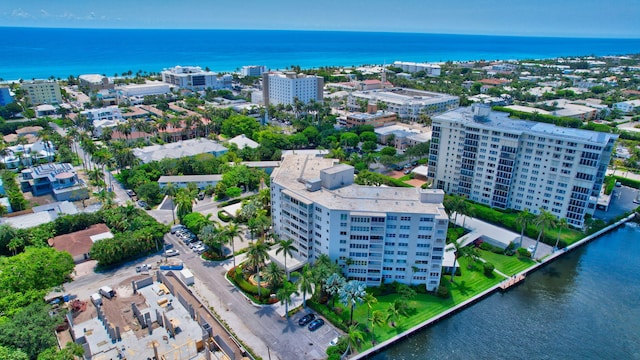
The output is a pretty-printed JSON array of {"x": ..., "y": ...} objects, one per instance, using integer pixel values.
[
  {"x": 232, "y": 231},
  {"x": 543, "y": 221},
  {"x": 256, "y": 256},
  {"x": 355, "y": 338},
  {"x": 369, "y": 300},
  {"x": 305, "y": 283},
  {"x": 333, "y": 284},
  {"x": 352, "y": 293},
  {"x": 377, "y": 318},
  {"x": 523, "y": 220},
  {"x": 171, "y": 190},
  {"x": 184, "y": 201},
  {"x": 395, "y": 310},
  {"x": 284, "y": 295},
  {"x": 286, "y": 248},
  {"x": 457, "y": 251},
  {"x": 274, "y": 275},
  {"x": 560, "y": 224}
]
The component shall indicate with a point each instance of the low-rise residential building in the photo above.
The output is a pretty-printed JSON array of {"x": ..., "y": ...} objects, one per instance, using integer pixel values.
[
  {"x": 242, "y": 141},
  {"x": 376, "y": 119},
  {"x": 413, "y": 67},
  {"x": 94, "y": 82},
  {"x": 78, "y": 244},
  {"x": 60, "y": 180},
  {"x": 518, "y": 164},
  {"x": 134, "y": 94},
  {"x": 628, "y": 106},
  {"x": 253, "y": 70},
  {"x": 105, "y": 113},
  {"x": 45, "y": 110},
  {"x": 28, "y": 154},
  {"x": 408, "y": 104},
  {"x": 194, "y": 78},
  {"x": 376, "y": 234},
  {"x": 39, "y": 215},
  {"x": 182, "y": 181},
  {"x": 40, "y": 92},
  {"x": 285, "y": 87},
  {"x": 401, "y": 136},
  {"x": 179, "y": 149}
]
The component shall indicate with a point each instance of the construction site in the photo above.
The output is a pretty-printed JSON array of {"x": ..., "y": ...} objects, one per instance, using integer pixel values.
[{"x": 148, "y": 317}]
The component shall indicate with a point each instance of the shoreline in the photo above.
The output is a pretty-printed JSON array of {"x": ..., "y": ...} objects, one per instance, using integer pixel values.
[{"x": 540, "y": 264}]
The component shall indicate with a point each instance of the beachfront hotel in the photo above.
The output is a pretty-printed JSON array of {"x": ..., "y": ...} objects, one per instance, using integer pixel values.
[
  {"x": 285, "y": 87},
  {"x": 409, "y": 104},
  {"x": 517, "y": 164},
  {"x": 194, "y": 78},
  {"x": 376, "y": 234}
]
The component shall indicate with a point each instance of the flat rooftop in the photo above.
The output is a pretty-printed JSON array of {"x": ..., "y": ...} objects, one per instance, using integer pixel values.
[{"x": 374, "y": 199}]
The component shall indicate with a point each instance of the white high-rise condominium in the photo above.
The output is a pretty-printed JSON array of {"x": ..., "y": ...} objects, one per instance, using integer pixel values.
[
  {"x": 194, "y": 78},
  {"x": 285, "y": 87},
  {"x": 517, "y": 164},
  {"x": 376, "y": 234},
  {"x": 42, "y": 92}
]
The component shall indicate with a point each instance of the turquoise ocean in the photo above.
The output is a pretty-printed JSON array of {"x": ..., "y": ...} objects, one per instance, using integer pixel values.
[{"x": 43, "y": 52}]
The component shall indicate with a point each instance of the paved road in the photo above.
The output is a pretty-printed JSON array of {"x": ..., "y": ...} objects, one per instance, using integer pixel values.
[{"x": 259, "y": 326}]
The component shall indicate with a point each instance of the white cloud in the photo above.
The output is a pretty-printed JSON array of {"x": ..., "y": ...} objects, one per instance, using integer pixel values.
[
  {"x": 20, "y": 13},
  {"x": 44, "y": 13}
]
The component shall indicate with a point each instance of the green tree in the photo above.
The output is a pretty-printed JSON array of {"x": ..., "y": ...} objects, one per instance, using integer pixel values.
[
  {"x": 286, "y": 248},
  {"x": 31, "y": 330},
  {"x": 543, "y": 221},
  {"x": 395, "y": 310},
  {"x": 184, "y": 203},
  {"x": 333, "y": 285},
  {"x": 305, "y": 283},
  {"x": 274, "y": 275},
  {"x": 284, "y": 295},
  {"x": 355, "y": 338},
  {"x": 523, "y": 220},
  {"x": 377, "y": 318},
  {"x": 560, "y": 224},
  {"x": 352, "y": 293},
  {"x": 257, "y": 255},
  {"x": 171, "y": 190}
]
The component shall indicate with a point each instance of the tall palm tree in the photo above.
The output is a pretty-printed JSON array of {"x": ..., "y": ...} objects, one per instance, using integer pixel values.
[
  {"x": 256, "y": 256},
  {"x": 284, "y": 295},
  {"x": 352, "y": 293},
  {"x": 355, "y": 338},
  {"x": 233, "y": 231},
  {"x": 184, "y": 201},
  {"x": 369, "y": 300},
  {"x": 523, "y": 220},
  {"x": 305, "y": 283},
  {"x": 171, "y": 190},
  {"x": 560, "y": 224},
  {"x": 286, "y": 248},
  {"x": 395, "y": 310},
  {"x": 543, "y": 221},
  {"x": 377, "y": 318},
  {"x": 274, "y": 275}
]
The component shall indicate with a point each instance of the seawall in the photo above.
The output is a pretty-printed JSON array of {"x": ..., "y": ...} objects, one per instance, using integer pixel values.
[{"x": 465, "y": 304}]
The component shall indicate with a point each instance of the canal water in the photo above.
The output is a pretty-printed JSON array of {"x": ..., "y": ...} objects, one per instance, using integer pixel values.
[{"x": 585, "y": 305}]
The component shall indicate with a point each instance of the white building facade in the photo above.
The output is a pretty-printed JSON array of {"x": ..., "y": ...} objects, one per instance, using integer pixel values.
[
  {"x": 409, "y": 104},
  {"x": 413, "y": 67},
  {"x": 376, "y": 234},
  {"x": 194, "y": 78},
  {"x": 516, "y": 164},
  {"x": 253, "y": 70},
  {"x": 285, "y": 87}
]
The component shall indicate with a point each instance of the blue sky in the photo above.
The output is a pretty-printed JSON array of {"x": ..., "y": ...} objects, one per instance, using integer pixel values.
[{"x": 581, "y": 18}]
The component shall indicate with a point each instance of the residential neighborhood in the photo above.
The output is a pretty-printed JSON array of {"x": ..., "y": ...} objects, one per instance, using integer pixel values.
[{"x": 300, "y": 213}]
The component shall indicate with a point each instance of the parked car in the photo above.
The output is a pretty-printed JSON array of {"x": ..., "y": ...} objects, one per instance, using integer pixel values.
[
  {"x": 171, "y": 252},
  {"x": 201, "y": 196},
  {"x": 531, "y": 248},
  {"x": 306, "y": 319},
  {"x": 143, "y": 204},
  {"x": 315, "y": 324},
  {"x": 335, "y": 341},
  {"x": 407, "y": 172},
  {"x": 176, "y": 228},
  {"x": 195, "y": 244},
  {"x": 200, "y": 249},
  {"x": 131, "y": 193}
]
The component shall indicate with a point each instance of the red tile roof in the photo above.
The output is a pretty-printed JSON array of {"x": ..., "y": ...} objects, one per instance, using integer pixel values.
[{"x": 79, "y": 242}]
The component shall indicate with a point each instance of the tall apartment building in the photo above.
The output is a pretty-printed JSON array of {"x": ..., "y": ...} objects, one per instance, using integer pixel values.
[
  {"x": 194, "y": 78},
  {"x": 516, "y": 164},
  {"x": 253, "y": 70},
  {"x": 409, "y": 104},
  {"x": 42, "y": 92},
  {"x": 285, "y": 87},
  {"x": 376, "y": 234}
]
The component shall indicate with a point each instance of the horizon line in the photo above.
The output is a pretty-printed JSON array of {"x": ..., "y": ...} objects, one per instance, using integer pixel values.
[{"x": 616, "y": 37}]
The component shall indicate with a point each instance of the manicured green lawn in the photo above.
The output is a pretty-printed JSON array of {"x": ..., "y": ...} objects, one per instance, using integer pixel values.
[
  {"x": 509, "y": 265},
  {"x": 422, "y": 306}
]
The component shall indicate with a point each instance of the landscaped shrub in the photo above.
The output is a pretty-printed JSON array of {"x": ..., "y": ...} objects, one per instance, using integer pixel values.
[
  {"x": 488, "y": 268},
  {"x": 223, "y": 216},
  {"x": 524, "y": 252},
  {"x": 488, "y": 247},
  {"x": 442, "y": 292}
]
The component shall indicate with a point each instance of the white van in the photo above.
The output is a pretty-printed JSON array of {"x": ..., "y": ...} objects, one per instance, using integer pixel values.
[{"x": 107, "y": 292}]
